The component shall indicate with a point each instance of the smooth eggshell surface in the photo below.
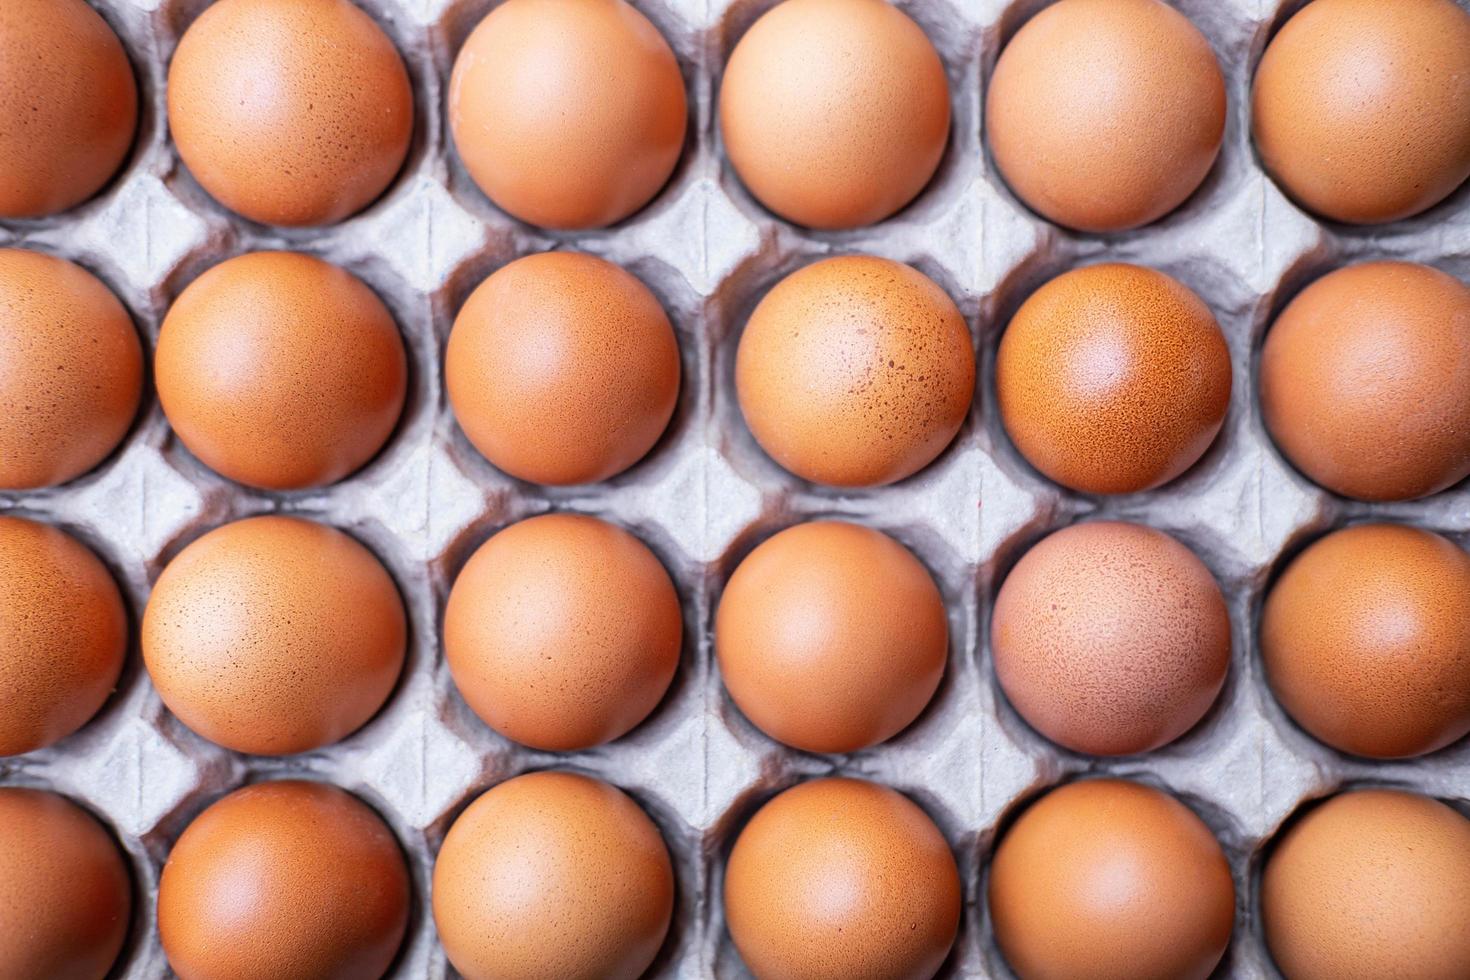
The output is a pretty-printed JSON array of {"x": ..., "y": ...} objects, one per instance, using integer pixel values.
[
  {"x": 855, "y": 371},
  {"x": 831, "y": 637},
  {"x": 553, "y": 874},
  {"x": 1106, "y": 878},
  {"x": 834, "y": 113},
  {"x": 562, "y": 368},
  {"x": 284, "y": 879},
  {"x": 274, "y": 635},
  {"x": 290, "y": 112}
]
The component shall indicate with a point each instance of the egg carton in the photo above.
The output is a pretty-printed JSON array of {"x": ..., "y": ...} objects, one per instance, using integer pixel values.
[{"x": 707, "y": 494}]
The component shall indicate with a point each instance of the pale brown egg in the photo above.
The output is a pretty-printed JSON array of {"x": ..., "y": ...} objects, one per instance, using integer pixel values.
[
  {"x": 562, "y": 368},
  {"x": 284, "y": 879},
  {"x": 1103, "y": 115},
  {"x": 290, "y": 112},
  {"x": 71, "y": 370},
  {"x": 68, "y": 105},
  {"x": 274, "y": 635},
  {"x": 64, "y": 889},
  {"x": 1110, "y": 638},
  {"x": 1359, "y": 107},
  {"x": 281, "y": 371},
  {"x": 1107, "y": 878},
  {"x": 831, "y": 637},
  {"x": 1366, "y": 640},
  {"x": 855, "y": 371},
  {"x": 841, "y": 878},
  {"x": 567, "y": 114},
  {"x": 1365, "y": 381},
  {"x": 1373, "y": 883},
  {"x": 834, "y": 113},
  {"x": 1113, "y": 379},
  {"x": 553, "y": 874}
]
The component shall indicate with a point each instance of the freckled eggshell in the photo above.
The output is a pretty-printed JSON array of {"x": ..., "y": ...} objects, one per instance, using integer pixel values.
[
  {"x": 1365, "y": 381},
  {"x": 1104, "y": 115},
  {"x": 71, "y": 370},
  {"x": 855, "y": 371},
  {"x": 1370, "y": 884},
  {"x": 1106, "y": 878},
  {"x": 553, "y": 874},
  {"x": 64, "y": 890},
  {"x": 290, "y": 112},
  {"x": 831, "y": 637},
  {"x": 1113, "y": 379},
  {"x": 562, "y": 368},
  {"x": 567, "y": 113},
  {"x": 68, "y": 105},
  {"x": 1359, "y": 107},
  {"x": 1366, "y": 640},
  {"x": 284, "y": 879},
  {"x": 834, "y": 113},
  {"x": 841, "y": 878},
  {"x": 274, "y": 635},
  {"x": 1110, "y": 638},
  {"x": 280, "y": 370}
]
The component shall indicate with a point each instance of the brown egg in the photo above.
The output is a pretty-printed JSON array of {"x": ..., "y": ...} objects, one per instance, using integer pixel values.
[
  {"x": 567, "y": 115},
  {"x": 855, "y": 371},
  {"x": 834, "y": 113},
  {"x": 290, "y": 112},
  {"x": 1359, "y": 107},
  {"x": 563, "y": 632},
  {"x": 274, "y": 635},
  {"x": 284, "y": 879},
  {"x": 1366, "y": 640},
  {"x": 71, "y": 369},
  {"x": 840, "y": 878},
  {"x": 1106, "y": 878},
  {"x": 831, "y": 637},
  {"x": 64, "y": 889},
  {"x": 553, "y": 874},
  {"x": 280, "y": 370},
  {"x": 1104, "y": 115},
  {"x": 562, "y": 368},
  {"x": 1365, "y": 381},
  {"x": 68, "y": 105},
  {"x": 1113, "y": 379},
  {"x": 1110, "y": 638}
]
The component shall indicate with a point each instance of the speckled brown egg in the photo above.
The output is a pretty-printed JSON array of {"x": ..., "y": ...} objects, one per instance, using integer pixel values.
[
  {"x": 1373, "y": 883},
  {"x": 64, "y": 890},
  {"x": 562, "y": 368},
  {"x": 290, "y": 112},
  {"x": 1365, "y": 381},
  {"x": 280, "y": 370},
  {"x": 71, "y": 370},
  {"x": 1113, "y": 379},
  {"x": 1359, "y": 107},
  {"x": 1107, "y": 878},
  {"x": 1104, "y": 115},
  {"x": 834, "y": 113},
  {"x": 68, "y": 105},
  {"x": 1366, "y": 640},
  {"x": 1110, "y": 638},
  {"x": 831, "y": 637},
  {"x": 567, "y": 113},
  {"x": 840, "y": 878},
  {"x": 553, "y": 874},
  {"x": 284, "y": 879},
  {"x": 274, "y": 635},
  {"x": 563, "y": 632},
  {"x": 855, "y": 371}
]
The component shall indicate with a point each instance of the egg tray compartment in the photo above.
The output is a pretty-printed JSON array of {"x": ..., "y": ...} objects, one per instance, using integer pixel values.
[{"x": 706, "y": 494}]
